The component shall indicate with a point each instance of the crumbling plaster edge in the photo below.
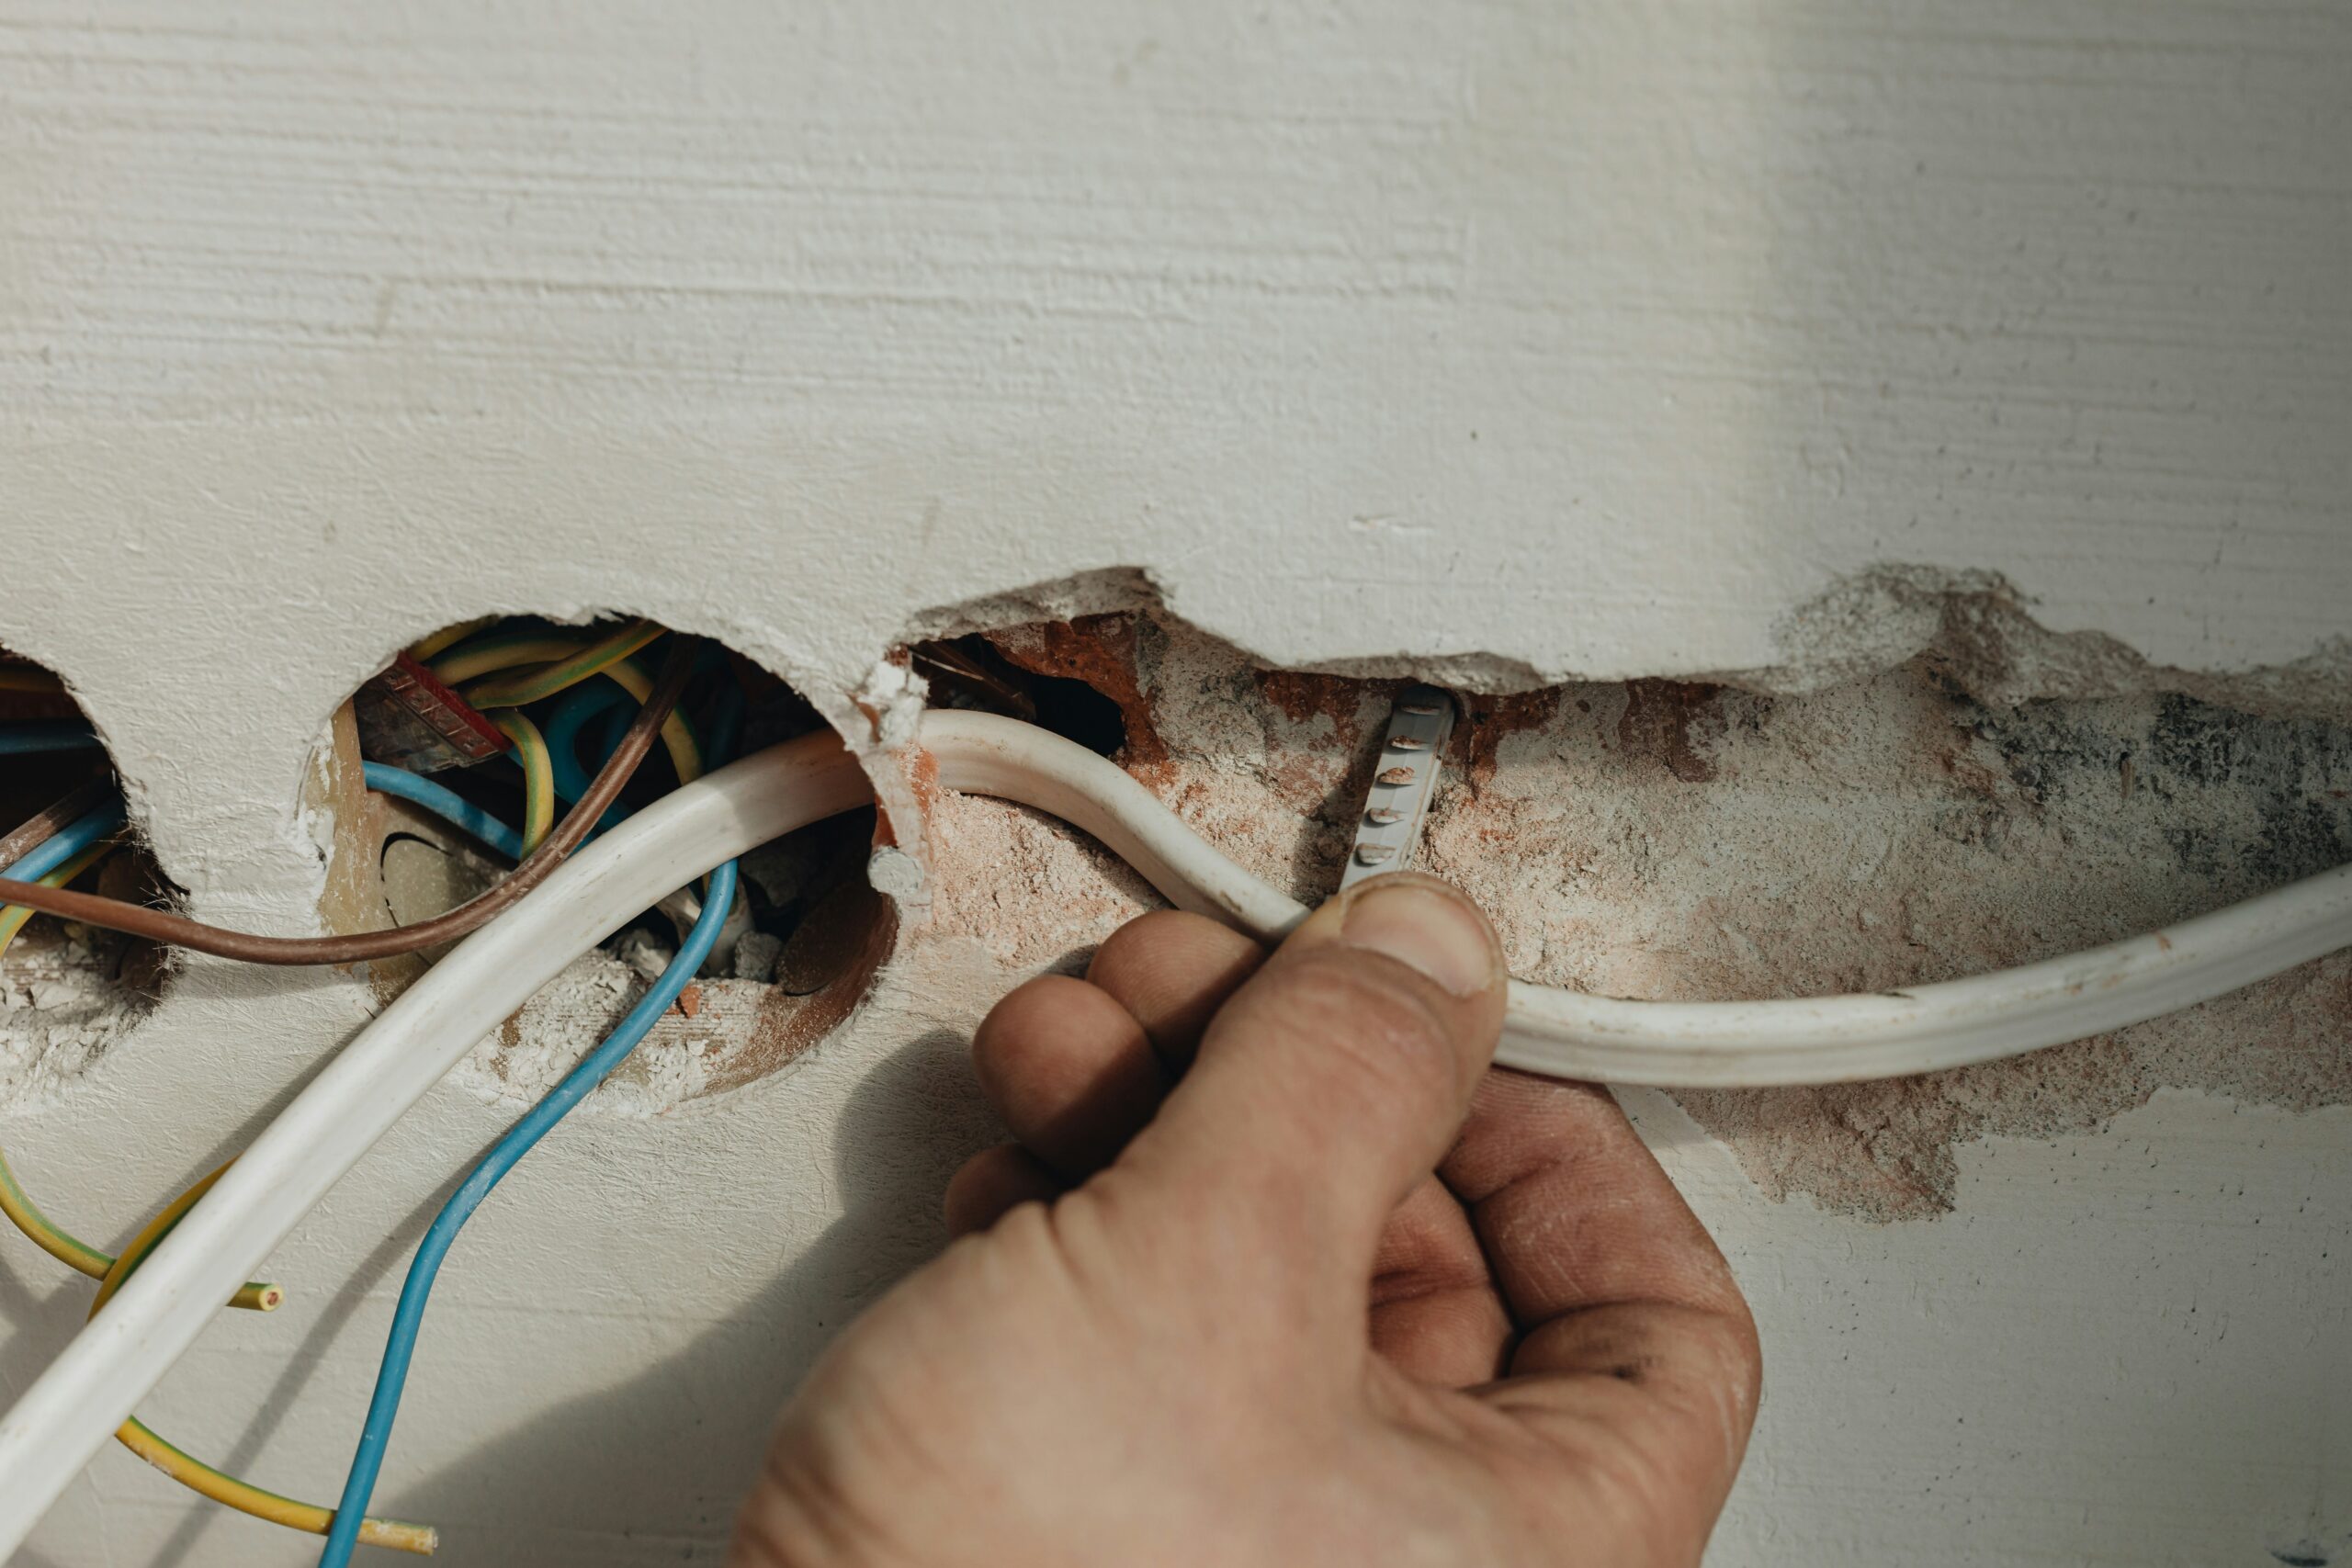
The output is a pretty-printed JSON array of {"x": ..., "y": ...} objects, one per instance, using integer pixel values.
[
  {"x": 1978, "y": 625},
  {"x": 260, "y": 861}
]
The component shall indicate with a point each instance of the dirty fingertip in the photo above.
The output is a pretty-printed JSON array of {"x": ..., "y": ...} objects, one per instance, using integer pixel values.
[{"x": 1430, "y": 926}]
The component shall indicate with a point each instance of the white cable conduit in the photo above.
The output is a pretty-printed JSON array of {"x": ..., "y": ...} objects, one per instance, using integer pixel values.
[
  {"x": 1805, "y": 1040},
  {"x": 66, "y": 1414},
  {"x": 69, "y": 1411}
]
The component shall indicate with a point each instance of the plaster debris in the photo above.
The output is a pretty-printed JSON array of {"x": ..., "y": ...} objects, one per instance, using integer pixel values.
[
  {"x": 682, "y": 1058},
  {"x": 1036, "y": 893},
  {"x": 894, "y": 871},
  {"x": 780, "y": 870},
  {"x": 1680, "y": 839},
  {"x": 755, "y": 956},
  {"x": 60, "y": 1011},
  {"x": 892, "y": 701},
  {"x": 723, "y": 1032},
  {"x": 643, "y": 951}
]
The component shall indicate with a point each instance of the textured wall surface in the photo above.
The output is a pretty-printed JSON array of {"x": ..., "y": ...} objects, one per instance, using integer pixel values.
[{"x": 1508, "y": 343}]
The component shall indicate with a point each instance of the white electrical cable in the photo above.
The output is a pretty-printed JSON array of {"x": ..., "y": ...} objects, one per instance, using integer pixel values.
[
  {"x": 68, "y": 1412},
  {"x": 1805, "y": 1040}
]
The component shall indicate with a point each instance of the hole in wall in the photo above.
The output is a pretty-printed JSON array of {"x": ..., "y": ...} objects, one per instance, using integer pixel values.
[
  {"x": 801, "y": 947},
  {"x": 68, "y": 991},
  {"x": 1934, "y": 818}
]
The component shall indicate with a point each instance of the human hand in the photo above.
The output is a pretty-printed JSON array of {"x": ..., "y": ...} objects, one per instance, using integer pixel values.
[{"x": 1280, "y": 1273}]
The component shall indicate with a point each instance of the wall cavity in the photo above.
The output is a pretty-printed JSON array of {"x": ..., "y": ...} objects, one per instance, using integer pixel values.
[
  {"x": 800, "y": 951},
  {"x": 1860, "y": 828}
]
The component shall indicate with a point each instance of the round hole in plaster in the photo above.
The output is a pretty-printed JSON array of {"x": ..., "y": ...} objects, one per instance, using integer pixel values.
[
  {"x": 807, "y": 941},
  {"x": 68, "y": 991}
]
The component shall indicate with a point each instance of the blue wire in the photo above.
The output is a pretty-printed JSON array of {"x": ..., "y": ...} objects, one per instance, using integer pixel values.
[
  {"x": 67, "y": 842},
  {"x": 585, "y": 701},
  {"x": 445, "y": 803},
  {"x": 375, "y": 1436},
  {"x": 45, "y": 735},
  {"x": 615, "y": 726},
  {"x": 408, "y": 1318},
  {"x": 576, "y": 707}
]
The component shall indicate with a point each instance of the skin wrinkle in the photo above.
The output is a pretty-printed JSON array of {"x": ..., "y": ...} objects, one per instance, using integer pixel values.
[
  {"x": 1726, "y": 1387},
  {"x": 1431, "y": 1310},
  {"x": 1455, "y": 1337},
  {"x": 1595, "y": 1265},
  {"x": 1428, "y": 1239}
]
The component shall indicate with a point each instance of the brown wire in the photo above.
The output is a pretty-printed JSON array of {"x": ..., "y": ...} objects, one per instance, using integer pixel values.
[
  {"x": 28, "y": 836},
  {"x": 157, "y": 925}
]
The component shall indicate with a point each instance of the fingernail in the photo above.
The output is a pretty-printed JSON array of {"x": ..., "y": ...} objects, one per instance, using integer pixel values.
[{"x": 1427, "y": 926}]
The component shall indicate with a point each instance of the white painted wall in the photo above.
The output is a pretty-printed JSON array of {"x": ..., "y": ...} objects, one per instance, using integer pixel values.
[{"x": 1593, "y": 340}]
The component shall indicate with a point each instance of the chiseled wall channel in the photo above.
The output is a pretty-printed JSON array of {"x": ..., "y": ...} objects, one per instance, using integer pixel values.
[{"x": 1761, "y": 413}]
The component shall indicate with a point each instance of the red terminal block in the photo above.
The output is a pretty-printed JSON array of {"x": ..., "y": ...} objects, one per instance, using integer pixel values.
[{"x": 410, "y": 719}]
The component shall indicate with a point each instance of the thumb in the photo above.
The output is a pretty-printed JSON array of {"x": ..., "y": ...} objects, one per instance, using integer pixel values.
[{"x": 1326, "y": 1086}]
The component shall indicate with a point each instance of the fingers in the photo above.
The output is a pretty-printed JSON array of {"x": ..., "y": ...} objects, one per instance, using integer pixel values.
[
  {"x": 1171, "y": 971},
  {"x": 1077, "y": 1067},
  {"x": 1070, "y": 1070},
  {"x": 1573, "y": 1211},
  {"x": 1650, "y": 1403},
  {"x": 1328, "y": 1086},
  {"x": 993, "y": 1182},
  {"x": 1634, "y": 1326},
  {"x": 1074, "y": 1080}
]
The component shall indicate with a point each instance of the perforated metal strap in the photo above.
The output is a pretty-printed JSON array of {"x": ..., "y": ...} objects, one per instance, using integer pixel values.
[{"x": 1402, "y": 783}]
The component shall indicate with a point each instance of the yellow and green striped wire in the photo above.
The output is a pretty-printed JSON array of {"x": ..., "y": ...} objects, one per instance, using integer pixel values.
[
  {"x": 110, "y": 1272},
  {"x": 482, "y": 656},
  {"x": 509, "y": 650},
  {"x": 578, "y": 658},
  {"x": 425, "y": 647},
  {"x": 13, "y": 919},
  {"x": 201, "y": 1478},
  {"x": 538, "y": 774},
  {"x": 563, "y": 670},
  {"x": 16, "y": 1203}
]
